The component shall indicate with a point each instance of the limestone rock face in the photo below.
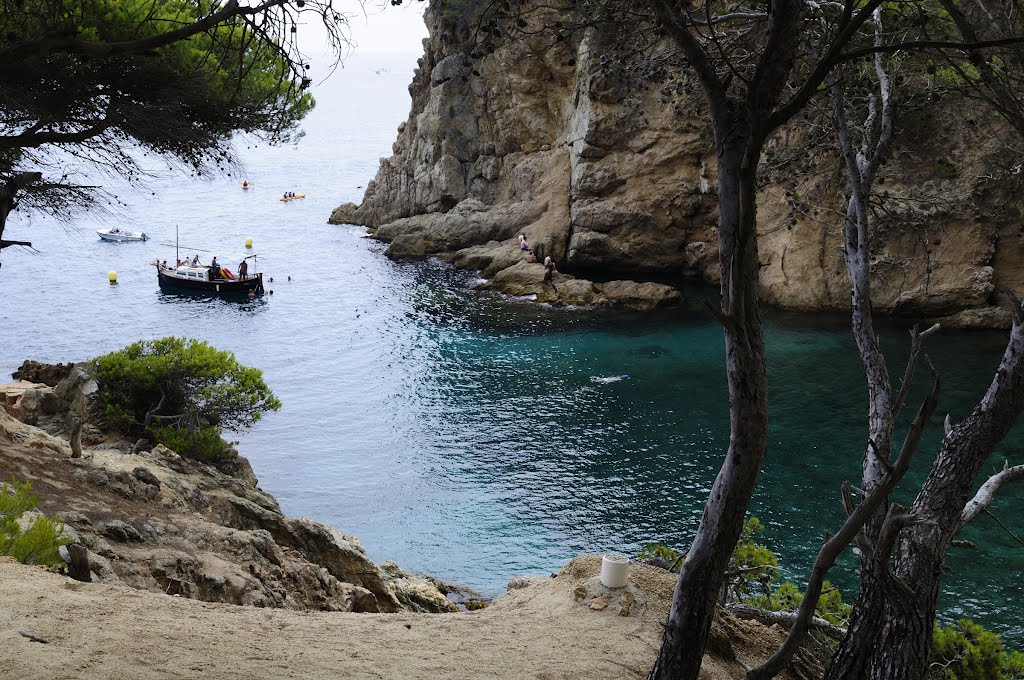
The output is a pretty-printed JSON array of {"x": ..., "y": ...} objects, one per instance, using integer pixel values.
[{"x": 614, "y": 173}]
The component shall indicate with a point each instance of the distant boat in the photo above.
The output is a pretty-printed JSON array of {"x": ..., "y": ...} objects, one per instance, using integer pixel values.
[
  {"x": 292, "y": 198},
  {"x": 116, "y": 234}
]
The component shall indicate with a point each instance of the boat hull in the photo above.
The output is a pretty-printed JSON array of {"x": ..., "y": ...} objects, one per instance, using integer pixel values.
[
  {"x": 222, "y": 287},
  {"x": 121, "y": 236}
]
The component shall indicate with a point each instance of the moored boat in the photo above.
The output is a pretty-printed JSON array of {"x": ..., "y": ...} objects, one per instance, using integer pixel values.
[
  {"x": 117, "y": 234},
  {"x": 215, "y": 280}
]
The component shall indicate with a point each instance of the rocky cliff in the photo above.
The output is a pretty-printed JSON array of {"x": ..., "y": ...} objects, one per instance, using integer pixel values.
[
  {"x": 156, "y": 521},
  {"x": 614, "y": 175}
]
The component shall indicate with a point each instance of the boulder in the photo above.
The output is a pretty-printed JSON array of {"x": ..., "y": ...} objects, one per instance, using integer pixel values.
[
  {"x": 28, "y": 402},
  {"x": 532, "y": 279},
  {"x": 37, "y": 372},
  {"x": 640, "y": 296}
]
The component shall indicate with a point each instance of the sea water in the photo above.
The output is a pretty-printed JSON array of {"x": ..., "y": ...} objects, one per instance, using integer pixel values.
[{"x": 461, "y": 433}]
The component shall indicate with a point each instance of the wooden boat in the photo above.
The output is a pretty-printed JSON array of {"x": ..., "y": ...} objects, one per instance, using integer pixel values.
[
  {"x": 117, "y": 234},
  {"x": 207, "y": 279},
  {"x": 292, "y": 198},
  {"x": 214, "y": 280}
]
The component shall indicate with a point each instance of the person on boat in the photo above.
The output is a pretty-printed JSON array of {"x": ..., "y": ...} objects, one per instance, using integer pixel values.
[
  {"x": 195, "y": 261},
  {"x": 245, "y": 184},
  {"x": 164, "y": 264},
  {"x": 243, "y": 269}
]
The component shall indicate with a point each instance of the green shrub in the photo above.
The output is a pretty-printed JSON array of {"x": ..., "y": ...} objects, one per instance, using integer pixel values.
[
  {"x": 786, "y": 596},
  {"x": 658, "y": 551},
  {"x": 37, "y": 543},
  {"x": 753, "y": 578},
  {"x": 181, "y": 393},
  {"x": 966, "y": 651},
  {"x": 752, "y": 562}
]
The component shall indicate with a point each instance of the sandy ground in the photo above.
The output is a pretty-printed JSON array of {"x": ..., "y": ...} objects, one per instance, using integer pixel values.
[
  {"x": 541, "y": 631},
  {"x": 100, "y": 631}
]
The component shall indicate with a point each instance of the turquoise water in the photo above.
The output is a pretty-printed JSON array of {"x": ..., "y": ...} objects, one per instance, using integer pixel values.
[{"x": 460, "y": 433}]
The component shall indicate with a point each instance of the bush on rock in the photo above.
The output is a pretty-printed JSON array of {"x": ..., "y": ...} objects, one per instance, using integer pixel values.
[
  {"x": 182, "y": 393},
  {"x": 29, "y": 543}
]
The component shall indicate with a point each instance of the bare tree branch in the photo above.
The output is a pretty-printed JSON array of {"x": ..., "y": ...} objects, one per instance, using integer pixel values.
[
  {"x": 987, "y": 493},
  {"x": 784, "y": 619}
]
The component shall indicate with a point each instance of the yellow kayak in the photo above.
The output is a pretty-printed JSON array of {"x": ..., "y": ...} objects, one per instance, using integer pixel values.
[{"x": 292, "y": 198}]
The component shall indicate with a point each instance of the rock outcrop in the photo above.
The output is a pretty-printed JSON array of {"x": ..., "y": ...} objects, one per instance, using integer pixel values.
[
  {"x": 526, "y": 279},
  {"x": 48, "y": 374},
  {"x": 614, "y": 172},
  {"x": 157, "y": 521}
]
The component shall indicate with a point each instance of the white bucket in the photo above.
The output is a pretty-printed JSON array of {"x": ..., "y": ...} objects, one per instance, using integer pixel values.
[{"x": 614, "y": 570}]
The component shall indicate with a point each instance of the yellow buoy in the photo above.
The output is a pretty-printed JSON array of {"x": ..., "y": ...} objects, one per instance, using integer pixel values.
[
  {"x": 248, "y": 243},
  {"x": 112, "y": 276}
]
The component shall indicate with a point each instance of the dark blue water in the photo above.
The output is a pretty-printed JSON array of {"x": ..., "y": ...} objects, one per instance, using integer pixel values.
[{"x": 460, "y": 434}]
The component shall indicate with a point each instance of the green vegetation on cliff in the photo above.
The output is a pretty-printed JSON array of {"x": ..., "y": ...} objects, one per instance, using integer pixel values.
[
  {"x": 35, "y": 543},
  {"x": 181, "y": 393},
  {"x": 966, "y": 651}
]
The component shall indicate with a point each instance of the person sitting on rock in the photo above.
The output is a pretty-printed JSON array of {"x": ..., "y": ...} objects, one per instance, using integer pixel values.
[{"x": 523, "y": 243}]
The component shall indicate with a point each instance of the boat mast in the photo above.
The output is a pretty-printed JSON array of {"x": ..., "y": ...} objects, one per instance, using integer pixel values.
[{"x": 177, "y": 255}]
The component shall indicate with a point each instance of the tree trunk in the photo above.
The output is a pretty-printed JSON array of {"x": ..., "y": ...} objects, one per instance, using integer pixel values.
[
  {"x": 895, "y": 612},
  {"x": 702, "y": 573},
  {"x": 851, "y": 658},
  {"x": 9, "y": 189}
]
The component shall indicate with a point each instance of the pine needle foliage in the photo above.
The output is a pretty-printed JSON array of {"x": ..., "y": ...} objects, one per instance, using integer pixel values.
[
  {"x": 182, "y": 393},
  {"x": 36, "y": 543},
  {"x": 966, "y": 651}
]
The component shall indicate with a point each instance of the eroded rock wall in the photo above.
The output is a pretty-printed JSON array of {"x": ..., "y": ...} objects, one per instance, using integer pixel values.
[
  {"x": 610, "y": 173},
  {"x": 156, "y": 521}
]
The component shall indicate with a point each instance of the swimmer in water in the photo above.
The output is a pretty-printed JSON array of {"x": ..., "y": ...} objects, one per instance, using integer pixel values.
[{"x": 610, "y": 379}]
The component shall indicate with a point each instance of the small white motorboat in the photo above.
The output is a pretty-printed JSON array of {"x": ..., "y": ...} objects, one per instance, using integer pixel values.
[{"x": 117, "y": 234}]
